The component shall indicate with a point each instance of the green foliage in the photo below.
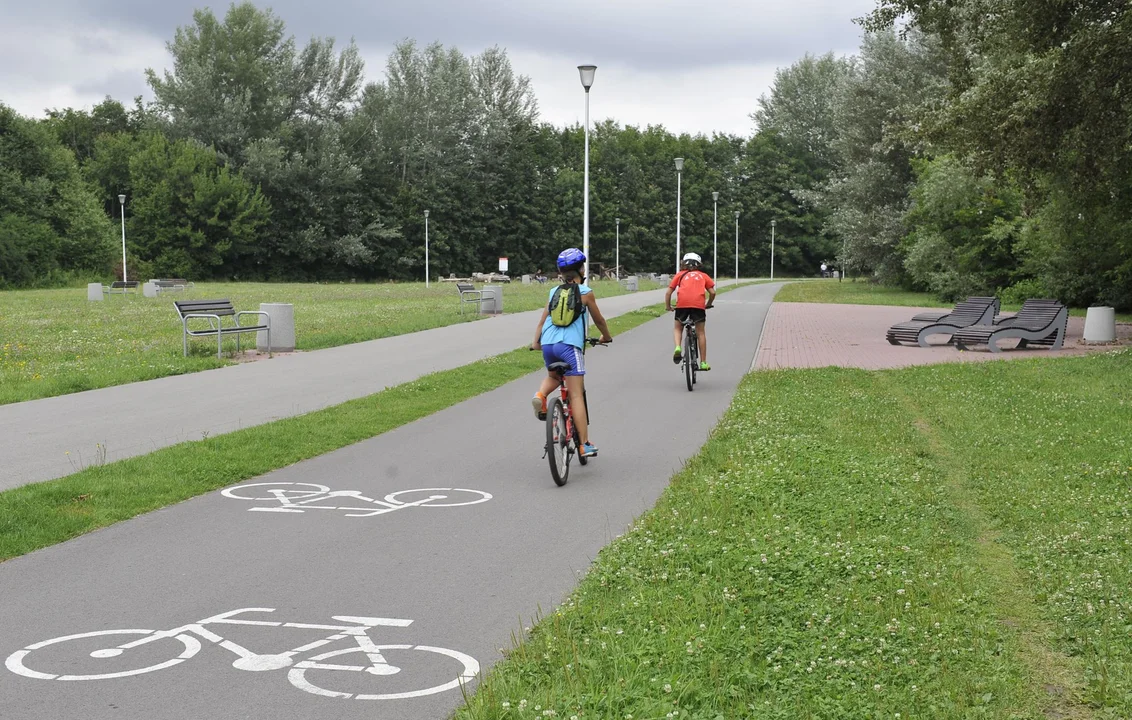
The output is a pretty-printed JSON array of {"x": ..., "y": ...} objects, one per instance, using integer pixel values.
[
  {"x": 50, "y": 221},
  {"x": 190, "y": 215}
]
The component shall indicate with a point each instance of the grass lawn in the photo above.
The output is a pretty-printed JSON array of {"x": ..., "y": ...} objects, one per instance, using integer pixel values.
[
  {"x": 54, "y": 342},
  {"x": 949, "y": 541},
  {"x": 865, "y": 293}
]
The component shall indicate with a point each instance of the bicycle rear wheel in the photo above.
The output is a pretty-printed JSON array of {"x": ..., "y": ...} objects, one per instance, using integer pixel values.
[
  {"x": 689, "y": 360},
  {"x": 557, "y": 441}
]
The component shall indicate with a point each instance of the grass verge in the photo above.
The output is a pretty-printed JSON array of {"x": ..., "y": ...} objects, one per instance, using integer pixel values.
[
  {"x": 42, "y": 514},
  {"x": 55, "y": 342},
  {"x": 941, "y": 542},
  {"x": 865, "y": 293}
]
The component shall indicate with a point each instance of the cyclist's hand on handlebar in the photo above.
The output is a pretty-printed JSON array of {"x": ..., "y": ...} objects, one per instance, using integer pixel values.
[{"x": 606, "y": 339}]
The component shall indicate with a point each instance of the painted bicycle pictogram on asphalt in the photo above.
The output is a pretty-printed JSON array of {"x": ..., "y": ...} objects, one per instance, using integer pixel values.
[
  {"x": 362, "y": 661},
  {"x": 286, "y": 497}
]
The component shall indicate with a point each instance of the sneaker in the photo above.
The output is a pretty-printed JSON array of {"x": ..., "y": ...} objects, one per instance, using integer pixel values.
[
  {"x": 677, "y": 355},
  {"x": 589, "y": 450},
  {"x": 539, "y": 404},
  {"x": 704, "y": 367}
]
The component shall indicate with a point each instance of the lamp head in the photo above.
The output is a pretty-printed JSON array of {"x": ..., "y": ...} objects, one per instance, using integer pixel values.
[
  {"x": 736, "y": 214},
  {"x": 586, "y": 72},
  {"x": 426, "y": 213},
  {"x": 715, "y": 196},
  {"x": 122, "y": 199},
  {"x": 679, "y": 164}
]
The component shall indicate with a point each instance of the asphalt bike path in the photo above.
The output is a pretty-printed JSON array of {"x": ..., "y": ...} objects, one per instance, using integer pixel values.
[
  {"x": 368, "y": 582},
  {"x": 53, "y": 437}
]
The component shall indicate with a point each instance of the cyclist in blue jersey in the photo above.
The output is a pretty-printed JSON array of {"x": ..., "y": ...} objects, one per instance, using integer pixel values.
[{"x": 561, "y": 335}]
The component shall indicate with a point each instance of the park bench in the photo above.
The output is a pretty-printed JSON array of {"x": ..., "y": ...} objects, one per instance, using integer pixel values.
[
  {"x": 469, "y": 294},
  {"x": 172, "y": 284},
  {"x": 119, "y": 287},
  {"x": 965, "y": 313},
  {"x": 1040, "y": 322},
  {"x": 213, "y": 311}
]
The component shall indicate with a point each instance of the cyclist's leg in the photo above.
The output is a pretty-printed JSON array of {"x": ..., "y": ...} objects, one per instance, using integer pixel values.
[
  {"x": 678, "y": 335},
  {"x": 701, "y": 333},
  {"x": 549, "y": 383},
  {"x": 575, "y": 384}
]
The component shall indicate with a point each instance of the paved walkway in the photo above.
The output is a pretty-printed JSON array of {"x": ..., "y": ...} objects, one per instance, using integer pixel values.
[
  {"x": 806, "y": 335},
  {"x": 305, "y": 578},
  {"x": 53, "y": 437}
]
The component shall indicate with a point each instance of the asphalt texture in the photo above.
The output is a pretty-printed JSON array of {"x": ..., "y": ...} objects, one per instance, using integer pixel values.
[
  {"x": 469, "y": 577},
  {"x": 49, "y": 438}
]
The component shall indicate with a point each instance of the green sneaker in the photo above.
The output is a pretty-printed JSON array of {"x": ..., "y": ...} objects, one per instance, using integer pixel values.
[
  {"x": 704, "y": 367},
  {"x": 678, "y": 355}
]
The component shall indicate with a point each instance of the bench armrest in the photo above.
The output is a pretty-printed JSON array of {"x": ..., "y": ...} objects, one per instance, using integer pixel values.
[
  {"x": 478, "y": 294},
  {"x": 214, "y": 325},
  {"x": 253, "y": 312}
]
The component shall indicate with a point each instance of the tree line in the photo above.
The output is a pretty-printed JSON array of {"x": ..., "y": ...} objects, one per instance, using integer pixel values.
[{"x": 970, "y": 152}]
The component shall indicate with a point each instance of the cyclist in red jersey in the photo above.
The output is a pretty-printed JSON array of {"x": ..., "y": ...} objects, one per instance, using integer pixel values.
[{"x": 692, "y": 286}]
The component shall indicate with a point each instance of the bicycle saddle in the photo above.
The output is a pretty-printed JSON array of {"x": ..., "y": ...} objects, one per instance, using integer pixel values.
[{"x": 558, "y": 367}]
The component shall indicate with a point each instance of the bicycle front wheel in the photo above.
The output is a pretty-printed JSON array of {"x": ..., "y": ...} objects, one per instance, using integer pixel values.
[
  {"x": 154, "y": 651},
  {"x": 557, "y": 441}
]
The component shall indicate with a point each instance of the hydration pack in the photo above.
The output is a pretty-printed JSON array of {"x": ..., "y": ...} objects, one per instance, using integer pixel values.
[{"x": 565, "y": 304}]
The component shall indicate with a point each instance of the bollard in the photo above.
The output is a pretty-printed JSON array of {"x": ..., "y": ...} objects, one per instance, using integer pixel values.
[{"x": 282, "y": 328}]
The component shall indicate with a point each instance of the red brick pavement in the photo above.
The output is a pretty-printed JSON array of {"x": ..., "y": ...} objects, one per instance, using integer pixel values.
[{"x": 800, "y": 335}]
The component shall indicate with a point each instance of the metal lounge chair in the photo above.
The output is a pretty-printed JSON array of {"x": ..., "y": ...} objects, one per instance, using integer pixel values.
[
  {"x": 934, "y": 315},
  {"x": 1041, "y": 322},
  {"x": 965, "y": 314}
]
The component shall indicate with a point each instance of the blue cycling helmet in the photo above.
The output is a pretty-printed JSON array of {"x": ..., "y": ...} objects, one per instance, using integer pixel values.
[{"x": 570, "y": 257}]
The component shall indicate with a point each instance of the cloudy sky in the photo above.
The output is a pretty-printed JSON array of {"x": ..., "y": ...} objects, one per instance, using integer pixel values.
[{"x": 692, "y": 66}]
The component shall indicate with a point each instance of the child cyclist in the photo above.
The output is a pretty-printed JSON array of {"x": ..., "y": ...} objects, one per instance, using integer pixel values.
[
  {"x": 561, "y": 335},
  {"x": 691, "y": 285}
]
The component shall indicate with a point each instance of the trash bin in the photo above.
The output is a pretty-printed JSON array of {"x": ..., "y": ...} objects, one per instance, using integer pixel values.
[
  {"x": 492, "y": 300},
  {"x": 282, "y": 327},
  {"x": 631, "y": 283},
  {"x": 94, "y": 292},
  {"x": 1100, "y": 324}
]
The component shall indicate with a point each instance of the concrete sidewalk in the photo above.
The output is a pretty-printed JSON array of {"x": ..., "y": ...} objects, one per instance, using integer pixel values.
[{"x": 53, "y": 437}]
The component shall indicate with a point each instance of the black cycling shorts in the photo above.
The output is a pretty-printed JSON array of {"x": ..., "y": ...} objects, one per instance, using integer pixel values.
[{"x": 698, "y": 315}]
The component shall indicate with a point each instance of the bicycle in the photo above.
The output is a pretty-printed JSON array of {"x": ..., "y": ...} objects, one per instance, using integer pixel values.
[
  {"x": 187, "y": 646},
  {"x": 561, "y": 441},
  {"x": 690, "y": 359}
]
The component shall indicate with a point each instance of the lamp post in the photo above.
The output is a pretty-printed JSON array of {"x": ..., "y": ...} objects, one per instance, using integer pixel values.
[
  {"x": 772, "y": 224},
  {"x": 679, "y": 170},
  {"x": 715, "y": 236},
  {"x": 122, "y": 202},
  {"x": 736, "y": 246},
  {"x": 426, "y": 249},
  {"x": 617, "y": 257},
  {"x": 586, "y": 72}
]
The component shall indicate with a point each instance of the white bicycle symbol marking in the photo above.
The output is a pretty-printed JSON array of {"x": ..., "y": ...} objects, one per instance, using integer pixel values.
[
  {"x": 300, "y": 497},
  {"x": 248, "y": 660}
]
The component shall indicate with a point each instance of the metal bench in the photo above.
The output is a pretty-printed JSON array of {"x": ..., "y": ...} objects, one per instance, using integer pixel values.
[
  {"x": 172, "y": 284},
  {"x": 213, "y": 311},
  {"x": 119, "y": 287},
  {"x": 469, "y": 294},
  {"x": 965, "y": 314},
  {"x": 1040, "y": 322}
]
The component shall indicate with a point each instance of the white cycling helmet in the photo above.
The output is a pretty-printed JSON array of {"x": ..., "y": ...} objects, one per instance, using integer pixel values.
[{"x": 692, "y": 257}]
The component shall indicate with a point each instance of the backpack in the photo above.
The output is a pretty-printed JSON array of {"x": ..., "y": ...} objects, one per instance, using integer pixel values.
[{"x": 565, "y": 305}]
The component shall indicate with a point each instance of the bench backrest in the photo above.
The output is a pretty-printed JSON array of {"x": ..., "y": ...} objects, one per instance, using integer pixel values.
[
  {"x": 464, "y": 287},
  {"x": 1038, "y": 313},
  {"x": 118, "y": 284},
  {"x": 211, "y": 307},
  {"x": 971, "y": 310},
  {"x": 170, "y": 282}
]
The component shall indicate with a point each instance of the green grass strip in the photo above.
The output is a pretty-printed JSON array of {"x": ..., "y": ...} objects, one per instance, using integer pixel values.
[
  {"x": 42, "y": 514},
  {"x": 938, "y": 542}
]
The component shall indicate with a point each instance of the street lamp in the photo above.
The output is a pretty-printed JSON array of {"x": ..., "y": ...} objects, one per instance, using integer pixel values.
[
  {"x": 122, "y": 202},
  {"x": 426, "y": 249},
  {"x": 617, "y": 260},
  {"x": 772, "y": 224},
  {"x": 679, "y": 170},
  {"x": 586, "y": 72},
  {"x": 715, "y": 236},
  {"x": 736, "y": 246}
]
